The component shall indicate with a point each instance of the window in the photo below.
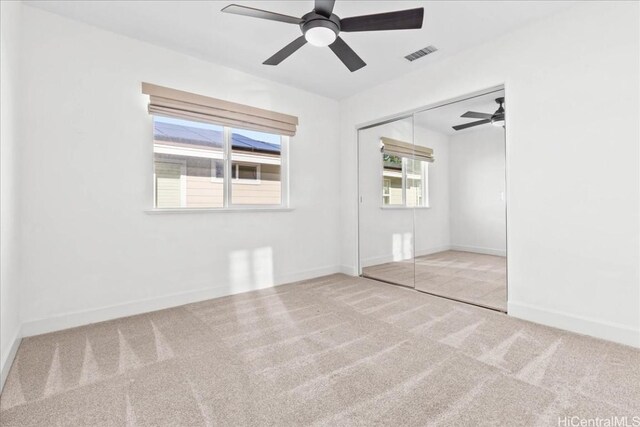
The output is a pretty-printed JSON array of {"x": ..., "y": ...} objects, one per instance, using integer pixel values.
[
  {"x": 404, "y": 181},
  {"x": 249, "y": 173},
  {"x": 223, "y": 165},
  {"x": 246, "y": 172},
  {"x": 192, "y": 161}
]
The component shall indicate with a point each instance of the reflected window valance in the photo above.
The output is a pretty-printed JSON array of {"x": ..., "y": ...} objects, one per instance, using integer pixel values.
[{"x": 404, "y": 149}]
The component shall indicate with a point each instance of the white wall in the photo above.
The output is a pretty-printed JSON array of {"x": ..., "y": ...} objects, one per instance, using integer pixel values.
[
  {"x": 572, "y": 160},
  {"x": 9, "y": 214},
  {"x": 90, "y": 250},
  {"x": 477, "y": 190},
  {"x": 388, "y": 233}
]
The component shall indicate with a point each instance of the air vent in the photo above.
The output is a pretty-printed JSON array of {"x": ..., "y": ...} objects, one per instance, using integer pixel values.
[{"x": 420, "y": 53}]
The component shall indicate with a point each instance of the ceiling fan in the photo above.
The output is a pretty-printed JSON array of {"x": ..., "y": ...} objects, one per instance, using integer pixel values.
[
  {"x": 321, "y": 27},
  {"x": 496, "y": 119}
]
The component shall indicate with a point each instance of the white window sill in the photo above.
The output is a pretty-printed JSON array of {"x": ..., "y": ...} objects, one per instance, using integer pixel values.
[
  {"x": 216, "y": 210},
  {"x": 404, "y": 207}
]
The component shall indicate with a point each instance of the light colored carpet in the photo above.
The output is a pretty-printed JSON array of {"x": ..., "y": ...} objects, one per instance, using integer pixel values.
[
  {"x": 336, "y": 350},
  {"x": 464, "y": 276}
]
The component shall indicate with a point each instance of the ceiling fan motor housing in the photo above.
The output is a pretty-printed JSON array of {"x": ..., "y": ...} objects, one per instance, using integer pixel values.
[
  {"x": 498, "y": 116},
  {"x": 314, "y": 20}
]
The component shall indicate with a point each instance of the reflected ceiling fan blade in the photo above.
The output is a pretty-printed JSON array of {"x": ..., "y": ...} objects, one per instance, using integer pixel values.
[
  {"x": 346, "y": 55},
  {"x": 324, "y": 7},
  {"x": 286, "y": 51},
  {"x": 400, "y": 20},
  {"x": 472, "y": 124},
  {"x": 476, "y": 115},
  {"x": 259, "y": 13}
]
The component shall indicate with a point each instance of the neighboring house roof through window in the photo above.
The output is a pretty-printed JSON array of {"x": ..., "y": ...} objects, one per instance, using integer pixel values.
[{"x": 209, "y": 137}]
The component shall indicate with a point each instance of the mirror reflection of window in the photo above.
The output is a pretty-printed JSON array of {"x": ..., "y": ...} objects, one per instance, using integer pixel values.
[
  {"x": 415, "y": 179},
  {"x": 404, "y": 181},
  {"x": 392, "y": 180}
]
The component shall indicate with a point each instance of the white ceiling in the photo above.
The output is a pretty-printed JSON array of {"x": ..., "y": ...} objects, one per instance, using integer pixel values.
[
  {"x": 441, "y": 119},
  {"x": 198, "y": 28}
]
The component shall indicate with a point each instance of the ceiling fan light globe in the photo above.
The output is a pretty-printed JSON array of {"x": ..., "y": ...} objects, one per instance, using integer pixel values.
[
  {"x": 497, "y": 120},
  {"x": 320, "y": 36}
]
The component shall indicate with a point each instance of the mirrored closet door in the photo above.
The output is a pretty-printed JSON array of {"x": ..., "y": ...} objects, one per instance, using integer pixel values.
[
  {"x": 432, "y": 201},
  {"x": 386, "y": 194}
]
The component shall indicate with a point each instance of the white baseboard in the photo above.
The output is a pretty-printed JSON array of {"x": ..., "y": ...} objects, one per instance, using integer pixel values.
[
  {"x": 307, "y": 274},
  {"x": 100, "y": 314},
  {"x": 431, "y": 251},
  {"x": 5, "y": 367},
  {"x": 380, "y": 260},
  {"x": 605, "y": 330},
  {"x": 479, "y": 250},
  {"x": 390, "y": 258},
  {"x": 349, "y": 270}
]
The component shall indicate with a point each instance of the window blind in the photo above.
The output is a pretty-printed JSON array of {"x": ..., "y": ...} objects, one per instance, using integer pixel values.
[
  {"x": 404, "y": 149},
  {"x": 185, "y": 105}
]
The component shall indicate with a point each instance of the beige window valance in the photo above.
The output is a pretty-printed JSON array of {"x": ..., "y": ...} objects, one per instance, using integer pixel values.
[
  {"x": 404, "y": 149},
  {"x": 185, "y": 105}
]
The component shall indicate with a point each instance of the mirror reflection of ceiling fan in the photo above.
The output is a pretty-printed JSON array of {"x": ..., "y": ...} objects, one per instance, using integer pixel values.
[
  {"x": 321, "y": 27},
  {"x": 496, "y": 119}
]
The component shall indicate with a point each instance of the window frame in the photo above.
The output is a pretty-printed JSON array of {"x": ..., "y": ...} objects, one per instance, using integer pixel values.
[{"x": 228, "y": 183}]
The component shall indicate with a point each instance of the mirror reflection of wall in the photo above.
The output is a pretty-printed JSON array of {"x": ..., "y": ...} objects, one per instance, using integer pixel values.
[
  {"x": 432, "y": 222},
  {"x": 477, "y": 191}
]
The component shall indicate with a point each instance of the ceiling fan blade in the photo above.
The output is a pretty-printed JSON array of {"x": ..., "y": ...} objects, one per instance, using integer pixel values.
[
  {"x": 346, "y": 55},
  {"x": 259, "y": 13},
  {"x": 472, "y": 124},
  {"x": 476, "y": 115},
  {"x": 286, "y": 51},
  {"x": 324, "y": 7},
  {"x": 400, "y": 20}
]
